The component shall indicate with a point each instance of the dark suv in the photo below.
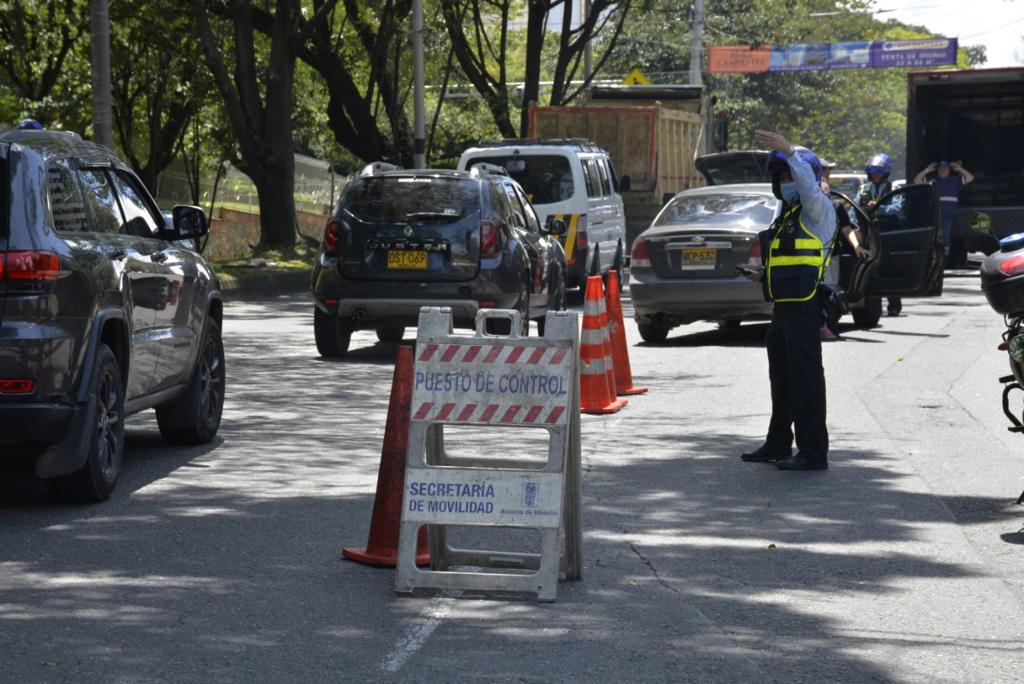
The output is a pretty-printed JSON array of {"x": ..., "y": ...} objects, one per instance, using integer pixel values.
[
  {"x": 105, "y": 310},
  {"x": 400, "y": 240}
]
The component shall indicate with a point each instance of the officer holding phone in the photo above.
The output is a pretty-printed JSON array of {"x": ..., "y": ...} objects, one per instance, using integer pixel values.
[{"x": 799, "y": 245}]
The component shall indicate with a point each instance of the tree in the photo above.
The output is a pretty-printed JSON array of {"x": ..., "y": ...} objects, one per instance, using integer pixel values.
[
  {"x": 482, "y": 44},
  {"x": 258, "y": 97},
  {"x": 156, "y": 83}
]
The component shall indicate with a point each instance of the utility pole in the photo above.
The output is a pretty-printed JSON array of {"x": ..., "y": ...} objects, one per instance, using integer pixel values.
[
  {"x": 696, "y": 46},
  {"x": 419, "y": 144},
  {"x": 102, "y": 122}
]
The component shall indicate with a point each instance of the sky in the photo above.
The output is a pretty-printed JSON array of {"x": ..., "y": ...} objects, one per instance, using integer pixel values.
[{"x": 996, "y": 24}]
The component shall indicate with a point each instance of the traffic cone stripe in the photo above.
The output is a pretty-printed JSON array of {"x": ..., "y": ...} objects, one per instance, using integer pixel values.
[
  {"x": 622, "y": 376},
  {"x": 597, "y": 377},
  {"x": 598, "y": 366},
  {"x": 594, "y": 308},
  {"x": 594, "y": 336}
]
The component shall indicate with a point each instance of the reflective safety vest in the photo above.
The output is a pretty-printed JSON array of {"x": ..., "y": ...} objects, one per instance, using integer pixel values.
[{"x": 796, "y": 259}]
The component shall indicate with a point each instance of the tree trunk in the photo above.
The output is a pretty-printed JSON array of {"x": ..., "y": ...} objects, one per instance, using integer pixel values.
[
  {"x": 536, "y": 15},
  {"x": 275, "y": 187}
]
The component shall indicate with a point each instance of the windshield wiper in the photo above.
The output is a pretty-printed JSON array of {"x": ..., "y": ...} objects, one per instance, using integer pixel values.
[{"x": 432, "y": 214}]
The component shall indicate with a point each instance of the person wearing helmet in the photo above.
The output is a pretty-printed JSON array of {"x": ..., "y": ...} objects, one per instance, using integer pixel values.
[
  {"x": 949, "y": 187},
  {"x": 796, "y": 253},
  {"x": 878, "y": 169}
]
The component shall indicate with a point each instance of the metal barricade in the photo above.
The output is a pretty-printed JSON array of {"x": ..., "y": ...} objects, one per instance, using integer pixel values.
[{"x": 488, "y": 380}]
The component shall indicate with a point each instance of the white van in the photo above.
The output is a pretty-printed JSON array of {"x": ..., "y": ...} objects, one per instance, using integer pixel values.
[{"x": 572, "y": 180}]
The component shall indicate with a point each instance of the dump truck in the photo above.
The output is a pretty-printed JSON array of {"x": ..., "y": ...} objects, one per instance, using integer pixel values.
[
  {"x": 652, "y": 134},
  {"x": 975, "y": 117}
]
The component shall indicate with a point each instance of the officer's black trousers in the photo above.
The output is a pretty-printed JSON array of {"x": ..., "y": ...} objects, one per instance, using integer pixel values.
[{"x": 797, "y": 377}]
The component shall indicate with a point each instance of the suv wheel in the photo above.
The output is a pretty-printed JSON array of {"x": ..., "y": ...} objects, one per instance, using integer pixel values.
[
  {"x": 868, "y": 315},
  {"x": 652, "y": 331},
  {"x": 195, "y": 417},
  {"x": 391, "y": 333},
  {"x": 96, "y": 479},
  {"x": 332, "y": 337}
]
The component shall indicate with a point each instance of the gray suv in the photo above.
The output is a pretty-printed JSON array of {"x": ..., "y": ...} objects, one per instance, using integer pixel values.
[
  {"x": 399, "y": 240},
  {"x": 106, "y": 309}
]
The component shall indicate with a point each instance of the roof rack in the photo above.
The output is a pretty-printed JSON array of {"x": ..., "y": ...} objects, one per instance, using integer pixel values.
[
  {"x": 485, "y": 169},
  {"x": 584, "y": 144},
  {"x": 377, "y": 168}
]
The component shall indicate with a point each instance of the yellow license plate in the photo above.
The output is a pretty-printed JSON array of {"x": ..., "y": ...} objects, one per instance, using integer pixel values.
[
  {"x": 407, "y": 258},
  {"x": 703, "y": 257}
]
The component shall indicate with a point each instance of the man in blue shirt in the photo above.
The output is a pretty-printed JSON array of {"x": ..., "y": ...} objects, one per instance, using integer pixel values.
[
  {"x": 949, "y": 186},
  {"x": 799, "y": 247}
]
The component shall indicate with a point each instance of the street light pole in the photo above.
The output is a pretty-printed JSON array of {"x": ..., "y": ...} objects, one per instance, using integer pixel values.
[
  {"x": 419, "y": 144},
  {"x": 696, "y": 45},
  {"x": 102, "y": 123}
]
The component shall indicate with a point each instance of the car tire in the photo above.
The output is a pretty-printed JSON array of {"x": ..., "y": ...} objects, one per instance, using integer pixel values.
[
  {"x": 868, "y": 315},
  {"x": 195, "y": 417},
  {"x": 391, "y": 333},
  {"x": 560, "y": 305},
  {"x": 95, "y": 480},
  {"x": 652, "y": 332},
  {"x": 332, "y": 337}
]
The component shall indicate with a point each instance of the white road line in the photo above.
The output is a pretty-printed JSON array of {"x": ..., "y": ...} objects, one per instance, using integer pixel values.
[{"x": 418, "y": 634}]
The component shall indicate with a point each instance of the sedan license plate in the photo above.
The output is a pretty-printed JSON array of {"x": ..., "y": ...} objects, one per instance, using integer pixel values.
[
  {"x": 699, "y": 258},
  {"x": 407, "y": 259}
]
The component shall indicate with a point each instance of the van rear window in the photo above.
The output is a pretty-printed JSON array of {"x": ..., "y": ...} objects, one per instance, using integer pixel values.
[{"x": 546, "y": 178}]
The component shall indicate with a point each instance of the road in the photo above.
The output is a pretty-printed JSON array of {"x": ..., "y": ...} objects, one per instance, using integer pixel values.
[{"x": 222, "y": 563}]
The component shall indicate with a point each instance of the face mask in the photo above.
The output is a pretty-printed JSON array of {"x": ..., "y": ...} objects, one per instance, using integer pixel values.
[{"x": 789, "y": 192}]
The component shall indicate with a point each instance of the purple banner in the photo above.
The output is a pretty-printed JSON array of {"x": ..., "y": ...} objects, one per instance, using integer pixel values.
[{"x": 913, "y": 53}]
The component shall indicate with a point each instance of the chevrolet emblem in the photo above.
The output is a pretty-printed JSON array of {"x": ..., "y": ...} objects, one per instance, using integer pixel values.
[{"x": 697, "y": 239}]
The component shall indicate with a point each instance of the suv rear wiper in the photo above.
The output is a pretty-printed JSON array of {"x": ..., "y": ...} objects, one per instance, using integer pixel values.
[{"x": 432, "y": 214}]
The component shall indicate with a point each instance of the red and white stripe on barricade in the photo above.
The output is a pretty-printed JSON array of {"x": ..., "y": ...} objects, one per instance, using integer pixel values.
[{"x": 496, "y": 383}]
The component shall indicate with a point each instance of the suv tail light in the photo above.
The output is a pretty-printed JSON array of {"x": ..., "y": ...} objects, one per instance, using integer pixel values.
[
  {"x": 490, "y": 239},
  {"x": 330, "y": 242},
  {"x": 17, "y": 385},
  {"x": 640, "y": 257},
  {"x": 32, "y": 267}
]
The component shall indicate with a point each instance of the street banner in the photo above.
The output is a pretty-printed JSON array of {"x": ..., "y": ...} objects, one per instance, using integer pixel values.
[{"x": 747, "y": 59}]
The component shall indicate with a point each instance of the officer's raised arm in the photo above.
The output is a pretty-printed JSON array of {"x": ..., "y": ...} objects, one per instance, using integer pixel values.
[{"x": 815, "y": 202}]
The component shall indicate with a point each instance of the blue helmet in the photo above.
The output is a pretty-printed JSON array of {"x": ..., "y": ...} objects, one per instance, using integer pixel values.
[
  {"x": 777, "y": 163},
  {"x": 29, "y": 125},
  {"x": 879, "y": 163}
]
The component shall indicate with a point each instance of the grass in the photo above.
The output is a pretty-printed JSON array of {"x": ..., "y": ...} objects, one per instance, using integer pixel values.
[{"x": 266, "y": 267}]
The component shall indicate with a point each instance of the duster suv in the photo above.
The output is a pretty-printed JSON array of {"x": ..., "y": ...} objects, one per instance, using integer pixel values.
[{"x": 106, "y": 309}]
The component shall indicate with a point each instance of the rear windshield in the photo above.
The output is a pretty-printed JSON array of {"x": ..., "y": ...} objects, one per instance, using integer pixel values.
[
  {"x": 546, "y": 178},
  {"x": 753, "y": 210},
  {"x": 400, "y": 199}
]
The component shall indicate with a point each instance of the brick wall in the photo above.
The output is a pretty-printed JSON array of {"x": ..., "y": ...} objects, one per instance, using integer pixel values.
[{"x": 233, "y": 233}]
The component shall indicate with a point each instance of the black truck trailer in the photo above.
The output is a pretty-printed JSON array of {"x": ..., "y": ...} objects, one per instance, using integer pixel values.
[{"x": 975, "y": 117}]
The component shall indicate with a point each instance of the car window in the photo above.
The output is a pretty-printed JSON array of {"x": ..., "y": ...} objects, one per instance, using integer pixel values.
[
  {"x": 613, "y": 175},
  {"x": 592, "y": 178},
  {"x": 397, "y": 199},
  {"x": 532, "y": 220},
  {"x": 106, "y": 216},
  {"x": 741, "y": 210},
  {"x": 138, "y": 215},
  {"x": 546, "y": 178},
  {"x": 518, "y": 214},
  {"x": 908, "y": 209},
  {"x": 606, "y": 184},
  {"x": 67, "y": 205},
  {"x": 500, "y": 206}
]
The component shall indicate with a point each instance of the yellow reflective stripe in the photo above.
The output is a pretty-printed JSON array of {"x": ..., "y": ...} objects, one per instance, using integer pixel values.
[
  {"x": 804, "y": 243},
  {"x": 781, "y": 261},
  {"x": 570, "y": 236}
]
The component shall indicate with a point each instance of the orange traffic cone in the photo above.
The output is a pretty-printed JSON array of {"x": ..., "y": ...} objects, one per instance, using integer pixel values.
[
  {"x": 382, "y": 546},
  {"x": 617, "y": 334},
  {"x": 597, "y": 377}
]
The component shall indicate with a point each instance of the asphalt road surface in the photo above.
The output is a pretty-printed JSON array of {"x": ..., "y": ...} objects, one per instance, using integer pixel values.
[{"x": 903, "y": 562}]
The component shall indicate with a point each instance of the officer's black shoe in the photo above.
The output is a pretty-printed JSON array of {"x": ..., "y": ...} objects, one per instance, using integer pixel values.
[
  {"x": 802, "y": 460},
  {"x": 765, "y": 455}
]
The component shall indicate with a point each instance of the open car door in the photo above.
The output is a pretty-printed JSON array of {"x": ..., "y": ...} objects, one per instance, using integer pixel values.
[
  {"x": 909, "y": 235},
  {"x": 856, "y": 274}
]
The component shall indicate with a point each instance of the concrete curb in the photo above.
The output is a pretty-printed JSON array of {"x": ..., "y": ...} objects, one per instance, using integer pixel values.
[{"x": 263, "y": 283}]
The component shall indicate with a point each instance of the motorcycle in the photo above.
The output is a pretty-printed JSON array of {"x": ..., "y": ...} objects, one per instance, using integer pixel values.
[{"x": 1002, "y": 282}]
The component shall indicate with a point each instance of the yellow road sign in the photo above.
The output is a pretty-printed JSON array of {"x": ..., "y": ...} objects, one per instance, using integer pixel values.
[{"x": 636, "y": 77}]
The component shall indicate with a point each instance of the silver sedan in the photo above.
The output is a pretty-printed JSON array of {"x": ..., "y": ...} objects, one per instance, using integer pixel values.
[{"x": 684, "y": 267}]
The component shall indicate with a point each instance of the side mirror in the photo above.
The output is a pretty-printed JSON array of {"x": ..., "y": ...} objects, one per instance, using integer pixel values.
[
  {"x": 625, "y": 183},
  {"x": 187, "y": 222},
  {"x": 557, "y": 227}
]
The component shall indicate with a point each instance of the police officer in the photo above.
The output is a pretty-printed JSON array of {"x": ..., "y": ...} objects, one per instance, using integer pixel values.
[
  {"x": 799, "y": 242},
  {"x": 949, "y": 186}
]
